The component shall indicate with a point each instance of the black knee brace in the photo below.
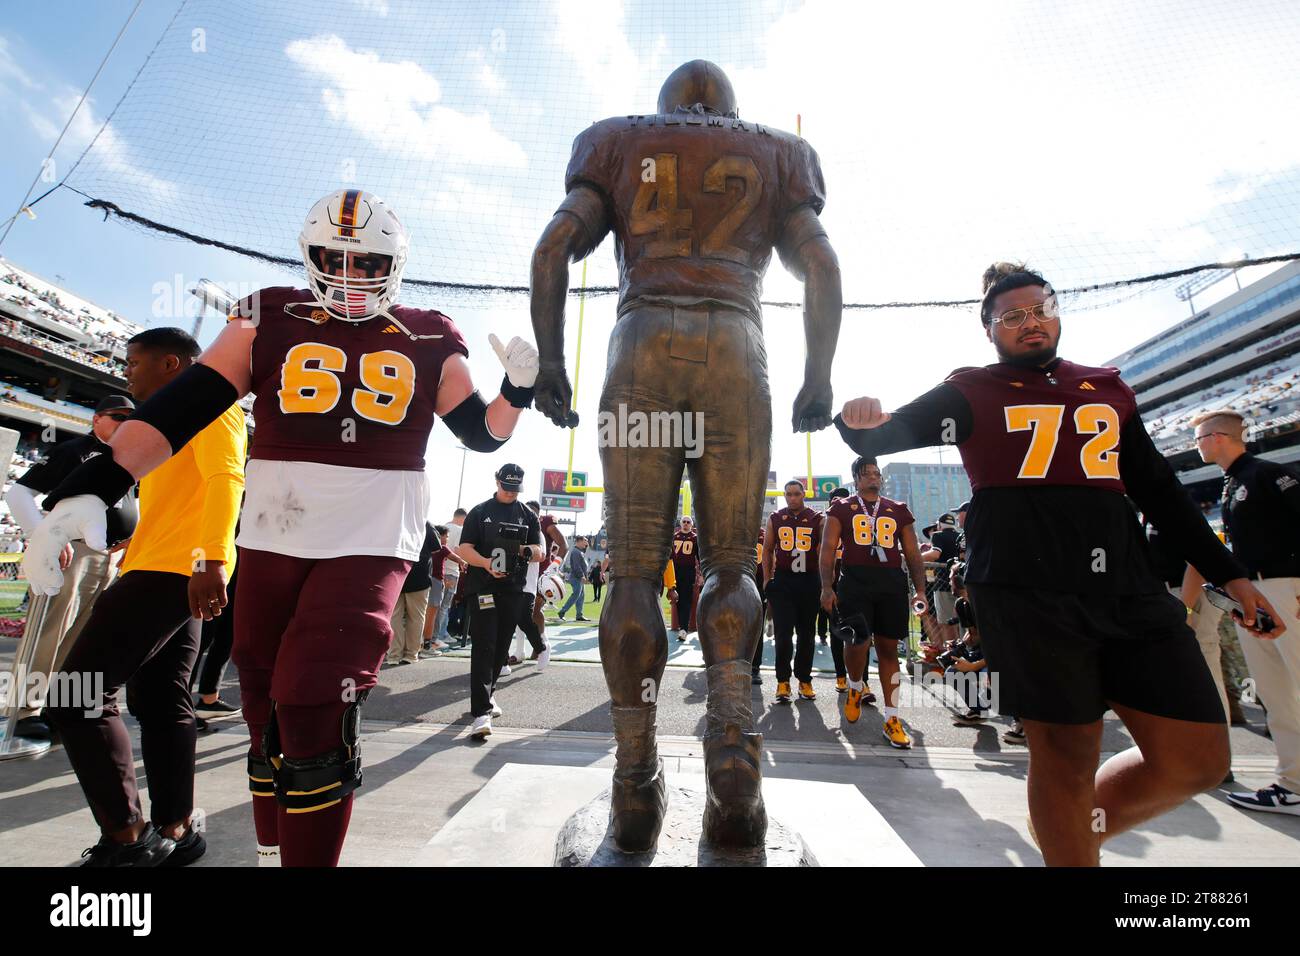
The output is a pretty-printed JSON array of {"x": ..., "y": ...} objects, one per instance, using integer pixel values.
[
  {"x": 261, "y": 780},
  {"x": 314, "y": 783}
]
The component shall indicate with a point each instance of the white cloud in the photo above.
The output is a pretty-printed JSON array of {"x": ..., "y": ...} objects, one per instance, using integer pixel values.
[
  {"x": 396, "y": 106},
  {"x": 111, "y": 153},
  {"x": 11, "y": 70}
]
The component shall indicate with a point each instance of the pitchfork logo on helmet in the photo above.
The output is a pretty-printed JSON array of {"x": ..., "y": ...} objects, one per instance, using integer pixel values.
[
  {"x": 354, "y": 248},
  {"x": 551, "y": 588}
]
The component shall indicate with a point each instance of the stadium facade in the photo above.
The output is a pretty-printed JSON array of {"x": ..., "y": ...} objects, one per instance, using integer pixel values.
[{"x": 1242, "y": 353}]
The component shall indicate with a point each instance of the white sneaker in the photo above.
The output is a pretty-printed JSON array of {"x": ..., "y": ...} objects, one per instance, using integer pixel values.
[
  {"x": 543, "y": 658},
  {"x": 440, "y": 645},
  {"x": 496, "y": 708},
  {"x": 505, "y": 670},
  {"x": 1274, "y": 799},
  {"x": 681, "y": 634},
  {"x": 482, "y": 727},
  {"x": 268, "y": 855}
]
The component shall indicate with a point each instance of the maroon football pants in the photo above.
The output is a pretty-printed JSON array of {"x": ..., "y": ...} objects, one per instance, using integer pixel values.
[{"x": 310, "y": 635}]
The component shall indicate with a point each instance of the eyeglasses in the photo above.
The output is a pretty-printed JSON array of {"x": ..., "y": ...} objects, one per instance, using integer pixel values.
[
  {"x": 117, "y": 418},
  {"x": 1208, "y": 434},
  {"x": 1014, "y": 318}
]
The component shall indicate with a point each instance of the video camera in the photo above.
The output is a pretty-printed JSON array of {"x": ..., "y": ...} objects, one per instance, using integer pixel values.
[{"x": 504, "y": 544}]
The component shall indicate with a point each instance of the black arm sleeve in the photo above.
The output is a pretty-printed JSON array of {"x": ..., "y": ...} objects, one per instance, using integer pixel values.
[
  {"x": 44, "y": 476},
  {"x": 468, "y": 422},
  {"x": 1153, "y": 486},
  {"x": 941, "y": 416},
  {"x": 184, "y": 407}
]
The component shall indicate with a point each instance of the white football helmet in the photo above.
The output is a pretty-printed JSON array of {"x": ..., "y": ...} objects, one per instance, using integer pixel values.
[
  {"x": 353, "y": 227},
  {"x": 551, "y": 588}
]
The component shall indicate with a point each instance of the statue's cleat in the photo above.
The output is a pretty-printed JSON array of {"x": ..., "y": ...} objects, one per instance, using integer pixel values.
[
  {"x": 806, "y": 691},
  {"x": 638, "y": 802},
  {"x": 893, "y": 732},
  {"x": 853, "y": 706},
  {"x": 783, "y": 692},
  {"x": 841, "y": 684},
  {"x": 734, "y": 814}
]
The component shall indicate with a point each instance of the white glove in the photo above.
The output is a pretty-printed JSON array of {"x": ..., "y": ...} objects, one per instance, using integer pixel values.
[
  {"x": 80, "y": 517},
  {"x": 519, "y": 358}
]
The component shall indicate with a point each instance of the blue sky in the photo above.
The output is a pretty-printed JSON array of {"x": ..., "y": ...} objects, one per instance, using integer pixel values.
[{"x": 1099, "y": 142}]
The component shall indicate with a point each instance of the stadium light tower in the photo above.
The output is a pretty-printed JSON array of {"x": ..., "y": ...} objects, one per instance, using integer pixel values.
[
  {"x": 1199, "y": 283},
  {"x": 213, "y": 297}
]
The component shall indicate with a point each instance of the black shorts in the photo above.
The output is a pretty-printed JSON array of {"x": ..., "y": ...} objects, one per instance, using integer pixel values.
[
  {"x": 1064, "y": 658},
  {"x": 886, "y": 612}
]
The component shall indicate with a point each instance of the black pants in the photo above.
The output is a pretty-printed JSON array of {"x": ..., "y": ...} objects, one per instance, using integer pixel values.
[
  {"x": 218, "y": 638},
  {"x": 685, "y": 596},
  {"x": 794, "y": 612},
  {"x": 492, "y": 621},
  {"x": 823, "y": 621},
  {"x": 529, "y": 626},
  {"x": 140, "y": 634}
]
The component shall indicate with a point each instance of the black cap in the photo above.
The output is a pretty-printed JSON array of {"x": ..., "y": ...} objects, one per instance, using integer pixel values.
[
  {"x": 946, "y": 520},
  {"x": 964, "y": 506},
  {"x": 114, "y": 403},
  {"x": 511, "y": 477}
]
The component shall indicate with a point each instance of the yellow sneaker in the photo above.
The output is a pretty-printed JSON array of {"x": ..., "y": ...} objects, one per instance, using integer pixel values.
[
  {"x": 841, "y": 684},
  {"x": 853, "y": 706},
  {"x": 806, "y": 691},
  {"x": 783, "y": 692},
  {"x": 893, "y": 732}
]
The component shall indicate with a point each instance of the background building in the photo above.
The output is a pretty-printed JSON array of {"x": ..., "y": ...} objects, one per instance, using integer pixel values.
[
  {"x": 1240, "y": 353},
  {"x": 928, "y": 490}
]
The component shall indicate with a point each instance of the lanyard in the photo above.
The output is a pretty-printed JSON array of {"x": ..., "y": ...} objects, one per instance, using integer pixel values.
[{"x": 880, "y": 552}]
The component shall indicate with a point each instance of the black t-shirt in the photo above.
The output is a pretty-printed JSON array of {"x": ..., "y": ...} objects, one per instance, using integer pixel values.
[
  {"x": 421, "y": 573},
  {"x": 1261, "y": 514},
  {"x": 948, "y": 541},
  {"x": 494, "y": 528},
  {"x": 46, "y": 475}
]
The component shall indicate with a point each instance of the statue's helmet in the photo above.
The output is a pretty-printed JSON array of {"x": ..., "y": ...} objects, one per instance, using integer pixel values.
[{"x": 698, "y": 83}]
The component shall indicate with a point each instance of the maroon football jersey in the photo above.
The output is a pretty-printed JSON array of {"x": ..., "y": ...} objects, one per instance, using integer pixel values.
[
  {"x": 870, "y": 531},
  {"x": 798, "y": 536},
  {"x": 697, "y": 201},
  {"x": 544, "y": 522},
  {"x": 1035, "y": 430},
  {"x": 360, "y": 394},
  {"x": 685, "y": 550}
]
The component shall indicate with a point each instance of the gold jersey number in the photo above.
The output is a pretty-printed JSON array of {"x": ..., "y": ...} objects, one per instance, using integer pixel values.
[
  {"x": 881, "y": 531},
  {"x": 1098, "y": 458},
  {"x": 655, "y": 210},
  {"x": 309, "y": 383}
]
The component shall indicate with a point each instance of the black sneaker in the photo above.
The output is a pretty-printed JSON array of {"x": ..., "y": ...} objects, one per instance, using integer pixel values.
[
  {"x": 150, "y": 850},
  {"x": 756, "y": 678},
  {"x": 33, "y": 728},
  {"x": 584, "y": 620},
  {"x": 218, "y": 708},
  {"x": 1014, "y": 735},
  {"x": 972, "y": 718},
  {"x": 188, "y": 849}
]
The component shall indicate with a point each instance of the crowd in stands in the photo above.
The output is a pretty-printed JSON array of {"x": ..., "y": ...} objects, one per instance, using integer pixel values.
[
  {"x": 97, "y": 335},
  {"x": 1263, "y": 397}
]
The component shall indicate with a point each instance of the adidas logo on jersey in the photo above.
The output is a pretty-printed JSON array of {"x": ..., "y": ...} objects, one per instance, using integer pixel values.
[
  {"x": 391, "y": 328},
  {"x": 1088, "y": 387}
]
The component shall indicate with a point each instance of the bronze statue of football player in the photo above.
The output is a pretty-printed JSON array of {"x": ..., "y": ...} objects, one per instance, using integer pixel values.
[{"x": 697, "y": 199}]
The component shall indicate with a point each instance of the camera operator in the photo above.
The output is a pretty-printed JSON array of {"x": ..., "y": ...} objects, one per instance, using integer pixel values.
[{"x": 499, "y": 539}]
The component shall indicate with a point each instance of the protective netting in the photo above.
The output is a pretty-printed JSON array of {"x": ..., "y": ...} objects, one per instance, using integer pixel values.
[{"x": 1104, "y": 141}]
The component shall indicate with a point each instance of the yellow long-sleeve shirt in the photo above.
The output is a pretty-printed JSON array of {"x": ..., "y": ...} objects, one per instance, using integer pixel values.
[{"x": 189, "y": 505}]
